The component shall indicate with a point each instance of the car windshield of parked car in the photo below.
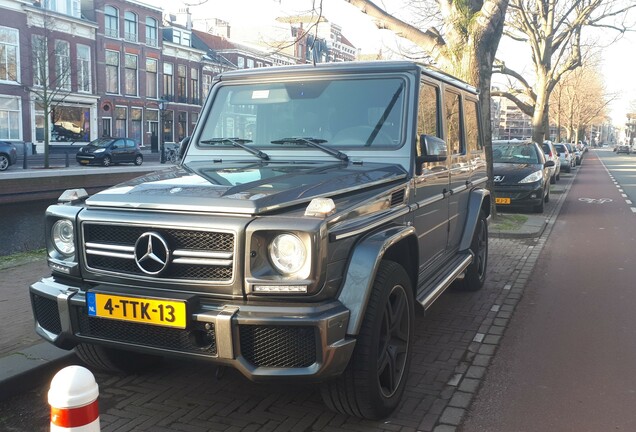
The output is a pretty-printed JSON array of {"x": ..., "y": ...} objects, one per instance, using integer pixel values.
[
  {"x": 514, "y": 153},
  {"x": 344, "y": 113},
  {"x": 101, "y": 143}
]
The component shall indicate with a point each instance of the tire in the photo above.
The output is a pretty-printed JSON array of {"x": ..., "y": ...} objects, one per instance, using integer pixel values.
[
  {"x": 4, "y": 162},
  {"x": 475, "y": 274},
  {"x": 139, "y": 159},
  {"x": 553, "y": 179},
  {"x": 115, "y": 360},
  {"x": 558, "y": 176},
  {"x": 568, "y": 169},
  {"x": 375, "y": 378},
  {"x": 547, "y": 195},
  {"x": 107, "y": 161}
]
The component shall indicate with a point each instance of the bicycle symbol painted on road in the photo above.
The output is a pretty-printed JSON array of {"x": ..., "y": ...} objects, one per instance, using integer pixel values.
[{"x": 596, "y": 200}]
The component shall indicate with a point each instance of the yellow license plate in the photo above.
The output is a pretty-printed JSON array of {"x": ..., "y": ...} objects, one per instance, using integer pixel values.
[
  {"x": 85, "y": 162},
  {"x": 502, "y": 200},
  {"x": 168, "y": 313}
]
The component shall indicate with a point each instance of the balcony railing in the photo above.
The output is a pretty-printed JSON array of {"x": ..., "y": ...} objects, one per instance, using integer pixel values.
[{"x": 130, "y": 37}]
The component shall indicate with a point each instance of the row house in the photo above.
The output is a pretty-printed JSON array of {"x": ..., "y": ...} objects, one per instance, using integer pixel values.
[
  {"x": 47, "y": 62},
  {"x": 113, "y": 68}
]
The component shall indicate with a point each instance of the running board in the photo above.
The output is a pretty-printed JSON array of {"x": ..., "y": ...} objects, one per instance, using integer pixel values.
[{"x": 439, "y": 282}]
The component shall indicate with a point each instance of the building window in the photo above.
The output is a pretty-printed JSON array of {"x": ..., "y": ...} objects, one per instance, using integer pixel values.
[
  {"x": 135, "y": 124},
  {"x": 112, "y": 72},
  {"x": 131, "y": 75},
  {"x": 120, "y": 122},
  {"x": 10, "y": 118},
  {"x": 106, "y": 126},
  {"x": 84, "y": 68},
  {"x": 151, "y": 78},
  {"x": 168, "y": 81},
  {"x": 182, "y": 92},
  {"x": 194, "y": 86},
  {"x": 63, "y": 65},
  {"x": 182, "y": 132},
  {"x": 151, "y": 32},
  {"x": 40, "y": 60},
  {"x": 241, "y": 62},
  {"x": 9, "y": 54},
  {"x": 130, "y": 27},
  {"x": 207, "y": 84},
  {"x": 250, "y": 63},
  {"x": 66, "y": 7},
  {"x": 180, "y": 37},
  {"x": 111, "y": 21}
]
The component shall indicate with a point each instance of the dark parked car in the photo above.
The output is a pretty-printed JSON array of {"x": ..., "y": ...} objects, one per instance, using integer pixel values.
[
  {"x": 108, "y": 151},
  {"x": 8, "y": 155},
  {"x": 521, "y": 175}
]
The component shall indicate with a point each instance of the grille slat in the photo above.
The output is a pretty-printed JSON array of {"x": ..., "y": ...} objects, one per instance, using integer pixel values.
[{"x": 201, "y": 242}]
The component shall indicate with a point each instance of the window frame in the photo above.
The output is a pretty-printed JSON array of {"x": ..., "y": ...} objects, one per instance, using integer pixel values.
[
  {"x": 109, "y": 19},
  {"x": 6, "y": 61},
  {"x": 131, "y": 26}
]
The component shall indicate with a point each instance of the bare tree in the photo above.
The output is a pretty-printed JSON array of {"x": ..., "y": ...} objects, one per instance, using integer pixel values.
[
  {"x": 51, "y": 71},
  {"x": 464, "y": 45},
  {"x": 579, "y": 100},
  {"x": 554, "y": 32}
]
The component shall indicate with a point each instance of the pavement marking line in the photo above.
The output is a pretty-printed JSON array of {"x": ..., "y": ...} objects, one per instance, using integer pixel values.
[
  {"x": 628, "y": 202},
  {"x": 633, "y": 209}
]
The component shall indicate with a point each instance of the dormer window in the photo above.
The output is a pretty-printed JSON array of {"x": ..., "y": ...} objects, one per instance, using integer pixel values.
[
  {"x": 181, "y": 37},
  {"x": 66, "y": 7}
]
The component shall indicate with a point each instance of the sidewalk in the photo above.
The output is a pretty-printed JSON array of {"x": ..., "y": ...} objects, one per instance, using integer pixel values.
[{"x": 25, "y": 359}]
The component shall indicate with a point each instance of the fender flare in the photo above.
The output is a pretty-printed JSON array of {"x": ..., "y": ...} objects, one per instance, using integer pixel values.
[
  {"x": 475, "y": 204},
  {"x": 362, "y": 268}
]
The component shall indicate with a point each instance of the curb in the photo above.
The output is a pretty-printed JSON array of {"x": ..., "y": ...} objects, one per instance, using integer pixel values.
[{"x": 31, "y": 367}]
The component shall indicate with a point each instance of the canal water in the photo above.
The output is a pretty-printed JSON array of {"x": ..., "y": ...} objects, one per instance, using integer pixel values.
[{"x": 23, "y": 226}]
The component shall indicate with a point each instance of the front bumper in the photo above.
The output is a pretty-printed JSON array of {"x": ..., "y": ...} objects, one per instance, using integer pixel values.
[
  {"x": 521, "y": 195},
  {"x": 264, "y": 341}
]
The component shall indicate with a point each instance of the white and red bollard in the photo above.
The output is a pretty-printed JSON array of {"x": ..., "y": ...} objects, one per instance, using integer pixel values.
[{"x": 73, "y": 399}]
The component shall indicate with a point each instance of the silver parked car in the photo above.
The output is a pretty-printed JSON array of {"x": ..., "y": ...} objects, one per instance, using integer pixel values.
[
  {"x": 565, "y": 157},
  {"x": 552, "y": 154}
]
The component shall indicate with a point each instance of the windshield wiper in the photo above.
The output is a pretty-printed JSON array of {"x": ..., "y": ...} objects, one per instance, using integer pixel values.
[
  {"x": 313, "y": 142},
  {"x": 237, "y": 142}
]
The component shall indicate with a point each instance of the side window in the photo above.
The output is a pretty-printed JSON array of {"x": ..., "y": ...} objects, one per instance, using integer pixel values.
[
  {"x": 130, "y": 144},
  {"x": 428, "y": 110},
  {"x": 471, "y": 125},
  {"x": 453, "y": 125}
]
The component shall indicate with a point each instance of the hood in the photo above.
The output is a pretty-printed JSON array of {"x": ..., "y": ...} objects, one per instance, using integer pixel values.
[
  {"x": 244, "y": 188},
  {"x": 512, "y": 172}
]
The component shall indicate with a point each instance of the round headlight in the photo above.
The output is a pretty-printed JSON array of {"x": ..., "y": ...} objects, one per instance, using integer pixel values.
[
  {"x": 287, "y": 253},
  {"x": 63, "y": 237}
]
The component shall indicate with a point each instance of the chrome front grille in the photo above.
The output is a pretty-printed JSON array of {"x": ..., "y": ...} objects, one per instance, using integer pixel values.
[{"x": 189, "y": 255}]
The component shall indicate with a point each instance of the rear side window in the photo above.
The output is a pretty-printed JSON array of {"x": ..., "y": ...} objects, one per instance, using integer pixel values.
[
  {"x": 473, "y": 141},
  {"x": 453, "y": 124}
]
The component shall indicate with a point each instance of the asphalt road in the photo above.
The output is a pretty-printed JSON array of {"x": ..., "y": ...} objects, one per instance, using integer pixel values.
[{"x": 566, "y": 362}]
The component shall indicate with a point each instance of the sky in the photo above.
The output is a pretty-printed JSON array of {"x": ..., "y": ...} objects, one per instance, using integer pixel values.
[{"x": 619, "y": 59}]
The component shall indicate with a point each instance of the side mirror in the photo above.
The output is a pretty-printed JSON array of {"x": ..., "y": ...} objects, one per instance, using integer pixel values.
[
  {"x": 549, "y": 164},
  {"x": 432, "y": 149},
  {"x": 183, "y": 145}
]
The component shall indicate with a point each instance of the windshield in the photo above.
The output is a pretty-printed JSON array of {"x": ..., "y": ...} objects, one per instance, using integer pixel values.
[
  {"x": 343, "y": 113},
  {"x": 102, "y": 142},
  {"x": 515, "y": 153}
]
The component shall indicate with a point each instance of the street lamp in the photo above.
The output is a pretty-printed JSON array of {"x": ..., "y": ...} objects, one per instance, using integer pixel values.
[{"x": 162, "y": 153}]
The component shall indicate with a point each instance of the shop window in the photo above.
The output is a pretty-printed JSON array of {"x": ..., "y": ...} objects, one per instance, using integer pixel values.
[
  {"x": 10, "y": 114},
  {"x": 70, "y": 123},
  {"x": 135, "y": 124},
  {"x": 121, "y": 117}
]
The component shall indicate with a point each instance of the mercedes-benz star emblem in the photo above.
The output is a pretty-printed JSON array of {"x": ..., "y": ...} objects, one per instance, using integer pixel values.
[{"x": 151, "y": 253}]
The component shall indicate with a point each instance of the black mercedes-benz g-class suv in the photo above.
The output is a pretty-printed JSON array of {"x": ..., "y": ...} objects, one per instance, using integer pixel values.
[{"x": 313, "y": 208}]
